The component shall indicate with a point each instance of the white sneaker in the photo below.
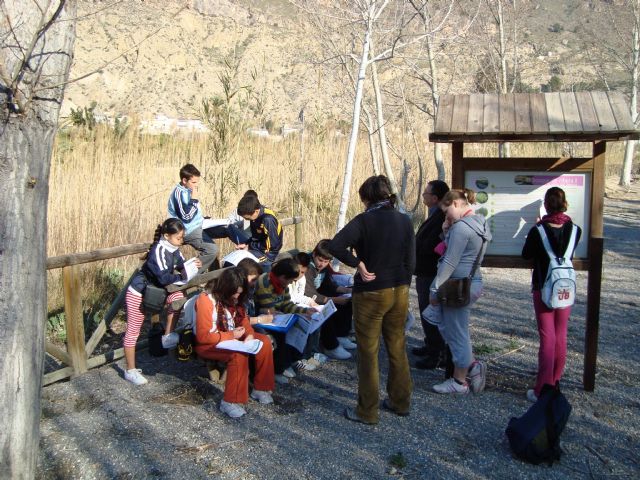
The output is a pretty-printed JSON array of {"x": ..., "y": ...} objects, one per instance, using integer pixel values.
[
  {"x": 135, "y": 376},
  {"x": 320, "y": 358},
  {"x": 234, "y": 410},
  {"x": 261, "y": 396},
  {"x": 451, "y": 386},
  {"x": 346, "y": 343},
  {"x": 531, "y": 396},
  {"x": 289, "y": 373},
  {"x": 170, "y": 340},
  {"x": 305, "y": 365},
  {"x": 281, "y": 379},
  {"x": 339, "y": 353}
]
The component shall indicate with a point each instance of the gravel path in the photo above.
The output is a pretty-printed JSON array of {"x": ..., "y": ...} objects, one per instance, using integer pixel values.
[{"x": 98, "y": 426}]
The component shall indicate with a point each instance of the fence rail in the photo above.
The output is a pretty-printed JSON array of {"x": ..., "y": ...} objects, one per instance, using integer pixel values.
[{"x": 78, "y": 355}]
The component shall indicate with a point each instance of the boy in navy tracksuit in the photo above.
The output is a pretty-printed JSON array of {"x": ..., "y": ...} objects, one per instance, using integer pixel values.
[
  {"x": 183, "y": 206},
  {"x": 266, "y": 231}
]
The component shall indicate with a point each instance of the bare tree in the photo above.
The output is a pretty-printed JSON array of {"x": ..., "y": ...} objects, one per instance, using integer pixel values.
[{"x": 36, "y": 45}]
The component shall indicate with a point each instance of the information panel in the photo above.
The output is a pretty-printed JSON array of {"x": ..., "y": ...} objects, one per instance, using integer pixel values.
[{"x": 512, "y": 202}]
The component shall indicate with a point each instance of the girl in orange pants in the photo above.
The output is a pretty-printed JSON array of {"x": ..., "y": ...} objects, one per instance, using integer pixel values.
[{"x": 220, "y": 316}]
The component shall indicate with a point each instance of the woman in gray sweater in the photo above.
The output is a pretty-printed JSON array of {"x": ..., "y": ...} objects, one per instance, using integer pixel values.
[{"x": 466, "y": 240}]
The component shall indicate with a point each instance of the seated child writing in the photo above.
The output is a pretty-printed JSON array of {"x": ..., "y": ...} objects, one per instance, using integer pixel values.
[
  {"x": 266, "y": 231},
  {"x": 221, "y": 315}
]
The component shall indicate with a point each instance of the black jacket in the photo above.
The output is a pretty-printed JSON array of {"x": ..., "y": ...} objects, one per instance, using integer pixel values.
[
  {"x": 427, "y": 237},
  {"x": 534, "y": 249},
  {"x": 383, "y": 239}
]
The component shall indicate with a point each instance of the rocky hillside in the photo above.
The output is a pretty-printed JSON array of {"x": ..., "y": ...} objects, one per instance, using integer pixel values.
[{"x": 161, "y": 57}]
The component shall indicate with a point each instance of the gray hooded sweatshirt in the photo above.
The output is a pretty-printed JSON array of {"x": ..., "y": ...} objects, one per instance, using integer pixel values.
[{"x": 464, "y": 242}]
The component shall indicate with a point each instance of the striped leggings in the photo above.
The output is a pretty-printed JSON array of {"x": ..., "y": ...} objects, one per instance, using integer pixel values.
[{"x": 135, "y": 316}]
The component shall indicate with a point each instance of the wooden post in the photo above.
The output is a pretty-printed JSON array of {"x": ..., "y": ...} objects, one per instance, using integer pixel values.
[
  {"x": 74, "y": 318},
  {"x": 457, "y": 170},
  {"x": 596, "y": 249}
]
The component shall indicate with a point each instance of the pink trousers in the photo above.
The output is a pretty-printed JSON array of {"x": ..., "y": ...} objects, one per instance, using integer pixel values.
[{"x": 552, "y": 355}]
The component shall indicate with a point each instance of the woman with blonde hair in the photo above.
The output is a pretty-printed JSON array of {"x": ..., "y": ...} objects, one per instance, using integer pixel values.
[{"x": 466, "y": 241}]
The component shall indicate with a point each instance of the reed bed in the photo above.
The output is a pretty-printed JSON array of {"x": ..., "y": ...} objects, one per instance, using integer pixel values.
[{"x": 111, "y": 188}]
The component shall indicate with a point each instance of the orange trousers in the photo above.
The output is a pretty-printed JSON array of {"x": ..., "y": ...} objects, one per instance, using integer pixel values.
[{"x": 236, "y": 388}]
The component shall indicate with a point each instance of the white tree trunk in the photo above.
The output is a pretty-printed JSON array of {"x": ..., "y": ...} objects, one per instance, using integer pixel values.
[
  {"x": 355, "y": 126},
  {"x": 36, "y": 49},
  {"x": 382, "y": 131},
  {"x": 630, "y": 147},
  {"x": 375, "y": 164}
]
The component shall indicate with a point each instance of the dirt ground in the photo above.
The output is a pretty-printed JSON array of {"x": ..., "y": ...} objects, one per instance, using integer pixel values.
[{"x": 98, "y": 426}]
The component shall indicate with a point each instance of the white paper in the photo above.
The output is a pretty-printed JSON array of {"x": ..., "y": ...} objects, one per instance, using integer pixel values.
[
  {"x": 252, "y": 346},
  {"x": 324, "y": 311},
  {"x": 214, "y": 222},
  {"x": 298, "y": 335},
  {"x": 191, "y": 269},
  {"x": 235, "y": 257}
]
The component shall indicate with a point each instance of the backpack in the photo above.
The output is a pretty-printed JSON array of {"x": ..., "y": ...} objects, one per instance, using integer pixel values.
[
  {"x": 559, "y": 288},
  {"x": 535, "y": 436}
]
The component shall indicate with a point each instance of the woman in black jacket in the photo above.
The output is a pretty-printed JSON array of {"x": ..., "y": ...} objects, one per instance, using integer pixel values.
[{"x": 384, "y": 257}]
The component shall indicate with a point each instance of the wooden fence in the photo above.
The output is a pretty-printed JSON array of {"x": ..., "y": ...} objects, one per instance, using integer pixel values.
[{"x": 78, "y": 357}]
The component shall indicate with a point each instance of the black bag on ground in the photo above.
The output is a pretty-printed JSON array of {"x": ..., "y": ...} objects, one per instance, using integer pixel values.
[
  {"x": 535, "y": 436},
  {"x": 155, "y": 340},
  {"x": 185, "y": 345},
  {"x": 153, "y": 298}
]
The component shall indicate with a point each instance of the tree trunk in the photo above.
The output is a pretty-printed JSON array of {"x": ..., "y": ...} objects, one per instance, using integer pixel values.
[
  {"x": 382, "y": 135},
  {"x": 630, "y": 147},
  {"x": 34, "y": 65},
  {"x": 372, "y": 142},
  {"x": 355, "y": 126}
]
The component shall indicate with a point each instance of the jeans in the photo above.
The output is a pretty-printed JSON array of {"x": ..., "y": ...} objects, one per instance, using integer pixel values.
[
  {"x": 432, "y": 338},
  {"x": 204, "y": 244},
  {"x": 375, "y": 313}
]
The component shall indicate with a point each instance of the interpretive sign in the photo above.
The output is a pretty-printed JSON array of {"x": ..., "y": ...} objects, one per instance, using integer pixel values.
[{"x": 512, "y": 202}]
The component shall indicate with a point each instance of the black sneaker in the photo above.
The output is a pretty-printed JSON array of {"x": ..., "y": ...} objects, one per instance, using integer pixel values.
[
  {"x": 420, "y": 351},
  {"x": 429, "y": 363}
]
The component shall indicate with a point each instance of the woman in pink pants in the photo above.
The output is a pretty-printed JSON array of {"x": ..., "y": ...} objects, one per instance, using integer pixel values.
[{"x": 552, "y": 323}]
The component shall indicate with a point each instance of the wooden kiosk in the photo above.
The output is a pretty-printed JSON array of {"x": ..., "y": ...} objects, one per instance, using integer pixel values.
[{"x": 595, "y": 117}]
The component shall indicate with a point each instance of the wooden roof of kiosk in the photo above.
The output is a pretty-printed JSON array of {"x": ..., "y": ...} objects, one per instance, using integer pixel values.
[
  {"x": 595, "y": 117},
  {"x": 534, "y": 117}
]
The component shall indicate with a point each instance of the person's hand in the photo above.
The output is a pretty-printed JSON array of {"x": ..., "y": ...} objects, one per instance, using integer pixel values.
[
  {"x": 365, "y": 274},
  {"x": 264, "y": 318},
  {"x": 313, "y": 304},
  {"x": 238, "y": 332},
  {"x": 197, "y": 263},
  {"x": 340, "y": 300}
]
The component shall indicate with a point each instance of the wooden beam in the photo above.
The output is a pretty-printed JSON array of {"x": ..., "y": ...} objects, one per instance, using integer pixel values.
[
  {"x": 596, "y": 251},
  {"x": 52, "y": 377},
  {"x": 457, "y": 167},
  {"x": 95, "y": 255},
  {"x": 74, "y": 318},
  {"x": 57, "y": 352},
  {"x": 496, "y": 137},
  {"x": 562, "y": 164}
]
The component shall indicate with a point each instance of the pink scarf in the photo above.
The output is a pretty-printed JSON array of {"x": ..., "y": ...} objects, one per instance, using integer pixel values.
[{"x": 558, "y": 218}]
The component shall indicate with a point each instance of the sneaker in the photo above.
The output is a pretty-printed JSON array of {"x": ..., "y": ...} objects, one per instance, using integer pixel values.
[
  {"x": 477, "y": 376},
  {"x": 170, "y": 340},
  {"x": 234, "y": 410},
  {"x": 386, "y": 404},
  {"x": 314, "y": 362},
  {"x": 347, "y": 343},
  {"x": 261, "y": 396},
  {"x": 135, "y": 376},
  {"x": 350, "y": 413},
  {"x": 531, "y": 396},
  {"x": 281, "y": 379},
  {"x": 289, "y": 373},
  {"x": 305, "y": 365},
  {"x": 338, "y": 353},
  {"x": 320, "y": 358},
  {"x": 451, "y": 386}
]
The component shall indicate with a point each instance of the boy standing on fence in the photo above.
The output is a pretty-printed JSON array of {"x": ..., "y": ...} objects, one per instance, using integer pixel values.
[{"x": 184, "y": 206}]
